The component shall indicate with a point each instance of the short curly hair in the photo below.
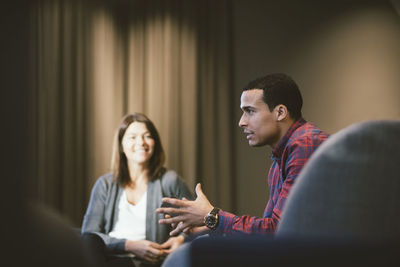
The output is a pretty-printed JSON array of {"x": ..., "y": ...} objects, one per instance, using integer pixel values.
[{"x": 279, "y": 88}]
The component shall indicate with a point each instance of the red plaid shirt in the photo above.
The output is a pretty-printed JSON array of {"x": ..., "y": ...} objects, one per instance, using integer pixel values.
[{"x": 289, "y": 157}]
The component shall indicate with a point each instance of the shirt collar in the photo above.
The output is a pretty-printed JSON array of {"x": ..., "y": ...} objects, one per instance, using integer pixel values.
[{"x": 278, "y": 150}]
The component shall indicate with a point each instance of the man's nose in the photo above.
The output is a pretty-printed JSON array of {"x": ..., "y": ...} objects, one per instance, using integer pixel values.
[{"x": 242, "y": 122}]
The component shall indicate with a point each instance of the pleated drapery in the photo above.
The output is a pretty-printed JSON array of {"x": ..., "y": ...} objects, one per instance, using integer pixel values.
[{"x": 94, "y": 61}]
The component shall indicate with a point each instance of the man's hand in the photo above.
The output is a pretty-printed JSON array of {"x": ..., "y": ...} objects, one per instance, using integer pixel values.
[
  {"x": 199, "y": 230},
  {"x": 147, "y": 250},
  {"x": 188, "y": 214},
  {"x": 172, "y": 243}
]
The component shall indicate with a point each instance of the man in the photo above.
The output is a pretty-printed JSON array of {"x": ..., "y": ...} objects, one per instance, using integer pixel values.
[{"x": 272, "y": 116}]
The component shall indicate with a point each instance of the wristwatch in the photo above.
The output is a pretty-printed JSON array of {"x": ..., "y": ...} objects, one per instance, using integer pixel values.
[{"x": 211, "y": 219}]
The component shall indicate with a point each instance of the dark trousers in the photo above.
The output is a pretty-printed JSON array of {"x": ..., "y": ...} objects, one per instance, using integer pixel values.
[{"x": 96, "y": 247}]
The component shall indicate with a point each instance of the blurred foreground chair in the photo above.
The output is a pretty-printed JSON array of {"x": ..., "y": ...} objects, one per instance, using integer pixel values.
[
  {"x": 34, "y": 235},
  {"x": 344, "y": 209}
]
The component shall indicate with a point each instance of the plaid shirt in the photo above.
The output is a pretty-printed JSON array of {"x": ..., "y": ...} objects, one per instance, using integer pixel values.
[{"x": 289, "y": 157}]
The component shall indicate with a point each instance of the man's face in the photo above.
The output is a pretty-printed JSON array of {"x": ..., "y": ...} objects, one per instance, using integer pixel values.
[{"x": 259, "y": 124}]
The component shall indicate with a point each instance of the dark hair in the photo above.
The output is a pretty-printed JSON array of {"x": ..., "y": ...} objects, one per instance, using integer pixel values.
[
  {"x": 119, "y": 164},
  {"x": 279, "y": 89}
]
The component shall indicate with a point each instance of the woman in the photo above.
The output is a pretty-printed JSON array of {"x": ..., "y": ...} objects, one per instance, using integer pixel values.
[{"x": 121, "y": 217}]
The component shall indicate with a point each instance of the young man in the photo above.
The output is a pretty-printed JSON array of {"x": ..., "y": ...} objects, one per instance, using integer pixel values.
[{"x": 272, "y": 116}]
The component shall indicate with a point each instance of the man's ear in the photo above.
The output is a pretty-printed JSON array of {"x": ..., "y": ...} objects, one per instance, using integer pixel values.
[{"x": 281, "y": 112}]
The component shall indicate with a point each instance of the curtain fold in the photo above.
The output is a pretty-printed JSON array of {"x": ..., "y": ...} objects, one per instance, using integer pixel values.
[
  {"x": 96, "y": 61},
  {"x": 59, "y": 88},
  {"x": 215, "y": 100}
]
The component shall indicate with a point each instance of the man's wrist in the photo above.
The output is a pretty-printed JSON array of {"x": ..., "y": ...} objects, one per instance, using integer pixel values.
[{"x": 211, "y": 220}]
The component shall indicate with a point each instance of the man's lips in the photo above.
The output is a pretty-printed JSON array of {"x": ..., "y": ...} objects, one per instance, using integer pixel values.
[{"x": 249, "y": 134}]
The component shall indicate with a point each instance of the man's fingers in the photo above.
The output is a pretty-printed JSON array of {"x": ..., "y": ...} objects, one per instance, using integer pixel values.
[
  {"x": 175, "y": 232},
  {"x": 179, "y": 225},
  {"x": 173, "y": 225},
  {"x": 178, "y": 229},
  {"x": 175, "y": 201},
  {"x": 199, "y": 191},
  {"x": 186, "y": 230},
  {"x": 169, "y": 211},
  {"x": 172, "y": 220}
]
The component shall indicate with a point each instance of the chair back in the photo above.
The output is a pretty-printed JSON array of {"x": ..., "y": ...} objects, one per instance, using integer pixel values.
[{"x": 350, "y": 187}]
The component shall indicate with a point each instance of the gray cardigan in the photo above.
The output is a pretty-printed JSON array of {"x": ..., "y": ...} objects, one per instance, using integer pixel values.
[{"x": 102, "y": 211}]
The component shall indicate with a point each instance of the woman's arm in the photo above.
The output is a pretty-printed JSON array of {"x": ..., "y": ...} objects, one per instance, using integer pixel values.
[{"x": 94, "y": 219}]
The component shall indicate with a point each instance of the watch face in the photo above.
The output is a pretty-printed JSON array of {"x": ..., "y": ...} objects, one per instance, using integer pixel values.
[{"x": 211, "y": 221}]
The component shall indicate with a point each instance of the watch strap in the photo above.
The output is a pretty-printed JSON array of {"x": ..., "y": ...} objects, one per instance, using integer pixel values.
[{"x": 214, "y": 211}]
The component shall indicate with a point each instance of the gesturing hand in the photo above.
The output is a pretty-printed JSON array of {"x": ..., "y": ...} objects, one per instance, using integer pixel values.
[
  {"x": 147, "y": 250},
  {"x": 188, "y": 214}
]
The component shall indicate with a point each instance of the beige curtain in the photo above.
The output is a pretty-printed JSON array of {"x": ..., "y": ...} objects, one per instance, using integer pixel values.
[
  {"x": 96, "y": 61},
  {"x": 60, "y": 77}
]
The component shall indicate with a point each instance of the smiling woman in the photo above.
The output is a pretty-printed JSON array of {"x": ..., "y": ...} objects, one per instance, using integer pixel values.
[{"x": 121, "y": 218}]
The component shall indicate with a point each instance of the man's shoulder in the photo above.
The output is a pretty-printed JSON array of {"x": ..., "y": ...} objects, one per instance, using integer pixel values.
[{"x": 308, "y": 132}]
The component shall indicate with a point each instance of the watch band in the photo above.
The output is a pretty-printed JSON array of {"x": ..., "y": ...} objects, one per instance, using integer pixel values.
[{"x": 214, "y": 211}]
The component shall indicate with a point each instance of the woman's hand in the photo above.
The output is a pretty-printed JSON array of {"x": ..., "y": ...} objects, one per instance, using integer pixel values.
[
  {"x": 172, "y": 243},
  {"x": 145, "y": 249}
]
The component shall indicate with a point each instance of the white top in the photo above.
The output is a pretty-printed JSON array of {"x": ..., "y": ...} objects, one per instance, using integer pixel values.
[{"x": 131, "y": 222}]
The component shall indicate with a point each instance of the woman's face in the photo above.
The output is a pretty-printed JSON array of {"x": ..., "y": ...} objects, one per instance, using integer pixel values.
[{"x": 137, "y": 143}]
